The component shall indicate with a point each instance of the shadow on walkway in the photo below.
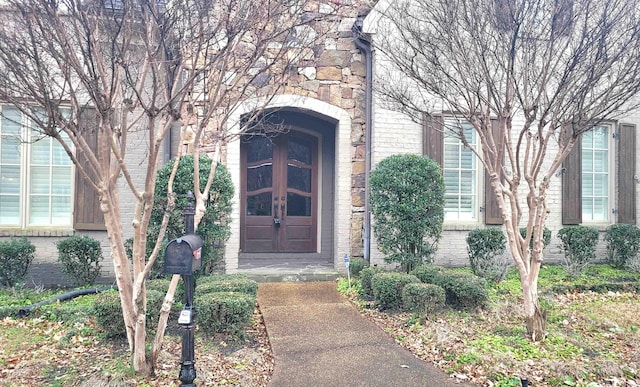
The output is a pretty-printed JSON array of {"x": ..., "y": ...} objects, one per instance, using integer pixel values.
[{"x": 320, "y": 339}]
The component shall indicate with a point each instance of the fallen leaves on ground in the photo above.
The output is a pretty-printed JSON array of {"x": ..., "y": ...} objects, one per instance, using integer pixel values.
[
  {"x": 593, "y": 341},
  {"x": 36, "y": 352}
]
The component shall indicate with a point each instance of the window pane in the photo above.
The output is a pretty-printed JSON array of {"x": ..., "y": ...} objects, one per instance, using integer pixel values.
[
  {"x": 39, "y": 210},
  {"x": 59, "y": 155},
  {"x": 259, "y": 148},
  {"x": 61, "y": 185},
  {"x": 298, "y": 205},
  {"x": 10, "y": 179},
  {"x": 40, "y": 180},
  {"x": 60, "y": 210},
  {"x": 9, "y": 210},
  {"x": 259, "y": 177},
  {"x": 259, "y": 205},
  {"x": 467, "y": 183},
  {"x": 600, "y": 185},
  {"x": 600, "y": 161},
  {"x": 299, "y": 150},
  {"x": 600, "y": 209},
  {"x": 299, "y": 178},
  {"x": 41, "y": 152}
]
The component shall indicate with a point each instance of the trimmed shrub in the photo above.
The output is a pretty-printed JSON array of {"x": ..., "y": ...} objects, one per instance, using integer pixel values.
[
  {"x": 80, "y": 257},
  {"x": 486, "y": 248},
  {"x": 366, "y": 275},
  {"x": 224, "y": 312},
  {"x": 423, "y": 298},
  {"x": 357, "y": 265},
  {"x": 16, "y": 256},
  {"x": 463, "y": 290},
  {"x": 546, "y": 236},
  {"x": 428, "y": 273},
  {"x": 225, "y": 283},
  {"x": 623, "y": 242},
  {"x": 579, "y": 247},
  {"x": 108, "y": 312},
  {"x": 407, "y": 203},
  {"x": 387, "y": 288},
  {"x": 214, "y": 227}
]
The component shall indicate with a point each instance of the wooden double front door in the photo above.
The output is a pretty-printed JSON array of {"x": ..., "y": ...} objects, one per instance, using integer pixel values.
[{"x": 279, "y": 193}]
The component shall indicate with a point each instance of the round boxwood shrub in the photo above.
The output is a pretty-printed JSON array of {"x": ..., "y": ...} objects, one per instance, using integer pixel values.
[
  {"x": 108, "y": 312},
  {"x": 463, "y": 290},
  {"x": 357, "y": 265},
  {"x": 546, "y": 236},
  {"x": 80, "y": 256},
  {"x": 387, "y": 288},
  {"x": 224, "y": 312},
  {"x": 227, "y": 283},
  {"x": 486, "y": 249},
  {"x": 579, "y": 247},
  {"x": 366, "y": 275},
  {"x": 427, "y": 273},
  {"x": 16, "y": 256},
  {"x": 423, "y": 298},
  {"x": 623, "y": 242},
  {"x": 407, "y": 203}
]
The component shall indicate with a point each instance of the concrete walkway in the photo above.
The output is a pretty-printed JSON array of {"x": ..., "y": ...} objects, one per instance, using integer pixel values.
[{"x": 320, "y": 339}]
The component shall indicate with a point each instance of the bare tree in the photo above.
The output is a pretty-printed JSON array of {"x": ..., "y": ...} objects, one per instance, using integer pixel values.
[
  {"x": 546, "y": 71},
  {"x": 120, "y": 69}
]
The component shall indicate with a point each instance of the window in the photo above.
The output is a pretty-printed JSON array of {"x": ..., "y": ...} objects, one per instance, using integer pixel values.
[
  {"x": 36, "y": 176},
  {"x": 591, "y": 191},
  {"x": 595, "y": 175},
  {"x": 460, "y": 171}
]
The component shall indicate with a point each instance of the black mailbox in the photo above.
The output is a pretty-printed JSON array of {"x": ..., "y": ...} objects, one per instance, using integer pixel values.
[{"x": 183, "y": 255}]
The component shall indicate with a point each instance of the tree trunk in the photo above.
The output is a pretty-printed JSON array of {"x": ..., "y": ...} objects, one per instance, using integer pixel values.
[{"x": 535, "y": 317}]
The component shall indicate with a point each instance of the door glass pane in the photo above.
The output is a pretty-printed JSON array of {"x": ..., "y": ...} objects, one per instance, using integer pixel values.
[
  {"x": 259, "y": 177},
  {"x": 259, "y": 205},
  {"x": 299, "y": 150},
  {"x": 299, "y": 178},
  {"x": 259, "y": 148},
  {"x": 298, "y": 205}
]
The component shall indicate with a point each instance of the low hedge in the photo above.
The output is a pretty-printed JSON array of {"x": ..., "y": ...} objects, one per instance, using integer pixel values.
[
  {"x": 226, "y": 283},
  {"x": 108, "y": 312},
  {"x": 387, "y": 288},
  {"x": 366, "y": 275},
  {"x": 224, "y": 312},
  {"x": 463, "y": 290},
  {"x": 423, "y": 298}
]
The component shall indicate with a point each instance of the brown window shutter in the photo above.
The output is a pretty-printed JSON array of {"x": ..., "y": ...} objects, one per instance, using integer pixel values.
[
  {"x": 626, "y": 173},
  {"x": 572, "y": 181},
  {"x": 491, "y": 210},
  {"x": 87, "y": 214},
  {"x": 433, "y": 138}
]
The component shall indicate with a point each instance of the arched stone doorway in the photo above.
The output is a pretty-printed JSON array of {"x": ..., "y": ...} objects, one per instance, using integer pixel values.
[{"x": 309, "y": 166}]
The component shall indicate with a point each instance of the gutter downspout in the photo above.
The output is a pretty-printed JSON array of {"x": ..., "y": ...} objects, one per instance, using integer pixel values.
[{"x": 364, "y": 44}]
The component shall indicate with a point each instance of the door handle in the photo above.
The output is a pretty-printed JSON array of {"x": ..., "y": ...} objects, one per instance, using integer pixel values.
[
  {"x": 282, "y": 207},
  {"x": 276, "y": 219}
]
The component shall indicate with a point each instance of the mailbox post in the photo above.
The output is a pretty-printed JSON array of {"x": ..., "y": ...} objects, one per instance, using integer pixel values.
[{"x": 183, "y": 256}]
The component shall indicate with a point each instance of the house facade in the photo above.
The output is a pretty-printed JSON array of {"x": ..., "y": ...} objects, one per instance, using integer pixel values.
[{"x": 301, "y": 198}]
